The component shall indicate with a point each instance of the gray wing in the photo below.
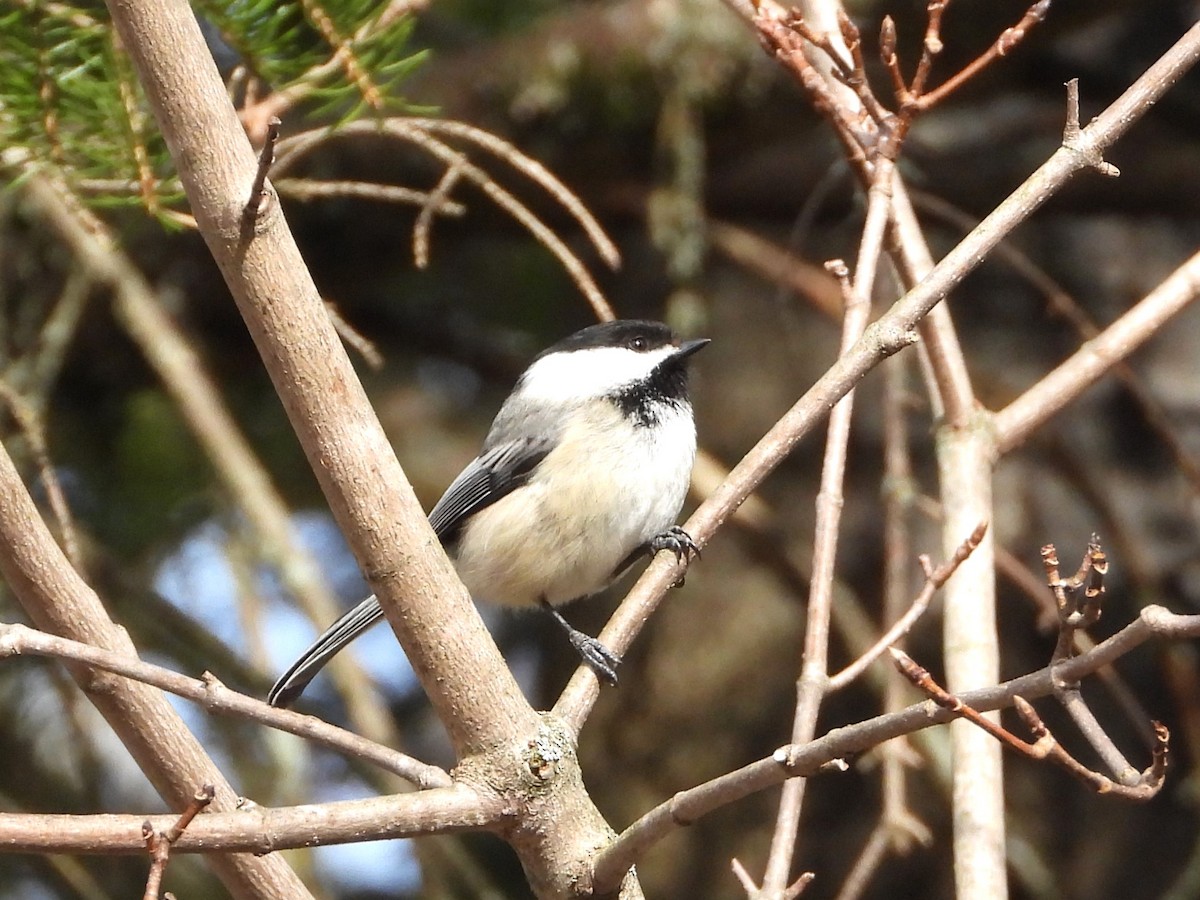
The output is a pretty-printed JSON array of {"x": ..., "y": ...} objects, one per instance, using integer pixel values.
[
  {"x": 514, "y": 447},
  {"x": 494, "y": 473},
  {"x": 521, "y": 436}
]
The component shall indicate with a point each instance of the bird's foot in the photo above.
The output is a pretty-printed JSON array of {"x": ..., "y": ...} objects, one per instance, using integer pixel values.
[
  {"x": 595, "y": 655},
  {"x": 598, "y": 658},
  {"x": 678, "y": 542}
]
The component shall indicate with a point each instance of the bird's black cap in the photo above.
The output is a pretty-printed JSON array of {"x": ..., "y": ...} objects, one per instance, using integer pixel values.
[{"x": 636, "y": 334}]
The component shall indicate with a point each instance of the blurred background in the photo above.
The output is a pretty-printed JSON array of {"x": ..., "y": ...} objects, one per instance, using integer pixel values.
[{"x": 718, "y": 183}]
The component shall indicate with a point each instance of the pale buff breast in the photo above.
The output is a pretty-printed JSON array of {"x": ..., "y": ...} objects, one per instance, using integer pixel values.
[{"x": 561, "y": 537}]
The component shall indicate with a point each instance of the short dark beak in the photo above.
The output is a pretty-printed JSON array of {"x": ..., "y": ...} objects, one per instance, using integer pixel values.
[{"x": 687, "y": 348}]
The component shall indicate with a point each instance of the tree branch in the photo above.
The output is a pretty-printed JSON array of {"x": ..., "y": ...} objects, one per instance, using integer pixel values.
[
  {"x": 260, "y": 830},
  {"x": 500, "y": 741},
  {"x": 1095, "y": 358},
  {"x": 793, "y": 761},
  {"x": 58, "y": 601},
  {"x": 212, "y": 695},
  {"x": 460, "y": 668},
  {"x": 891, "y": 332}
]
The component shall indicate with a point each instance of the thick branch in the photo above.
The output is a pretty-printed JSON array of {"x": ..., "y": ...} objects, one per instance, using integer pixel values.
[
  {"x": 500, "y": 740},
  {"x": 971, "y": 645},
  {"x": 460, "y": 667}
]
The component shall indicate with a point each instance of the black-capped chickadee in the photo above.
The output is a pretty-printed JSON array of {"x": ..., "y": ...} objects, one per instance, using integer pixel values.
[{"x": 584, "y": 470}]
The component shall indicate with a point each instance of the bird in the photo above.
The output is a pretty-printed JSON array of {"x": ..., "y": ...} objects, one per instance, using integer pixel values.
[{"x": 583, "y": 471}]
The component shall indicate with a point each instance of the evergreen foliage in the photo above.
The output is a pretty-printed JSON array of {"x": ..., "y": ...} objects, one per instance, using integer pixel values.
[{"x": 69, "y": 99}]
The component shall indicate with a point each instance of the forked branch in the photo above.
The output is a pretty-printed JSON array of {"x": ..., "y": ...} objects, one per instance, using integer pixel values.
[{"x": 1045, "y": 745}]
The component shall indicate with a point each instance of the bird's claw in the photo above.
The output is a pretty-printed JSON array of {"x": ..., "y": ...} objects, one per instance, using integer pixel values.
[
  {"x": 678, "y": 542},
  {"x": 598, "y": 658}
]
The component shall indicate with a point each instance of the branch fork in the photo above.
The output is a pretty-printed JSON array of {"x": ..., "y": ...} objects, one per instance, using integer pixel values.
[
  {"x": 159, "y": 843},
  {"x": 1075, "y": 138},
  {"x": 1078, "y": 601}
]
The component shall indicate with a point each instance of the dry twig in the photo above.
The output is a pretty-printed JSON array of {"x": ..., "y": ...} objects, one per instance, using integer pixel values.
[
  {"x": 266, "y": 157},
  {"x": 159, "y": 843},
  {"x": 212, "y": 695},
  {"x": 30, "y": 424},
  {"x": 1044, "y": 745},
  {"x": 934, "y": 579},
  {"x": 423, "y": 134}
]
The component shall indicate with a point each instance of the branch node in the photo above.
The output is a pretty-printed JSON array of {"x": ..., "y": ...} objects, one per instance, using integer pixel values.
[
  {"x": 743, "y": 877},
  {"x": 1074, "y": 138},
  {"x": 158, "y": 843},
  {"x": 1045, "y": 745},
  {"x": 259, "y": 196}
]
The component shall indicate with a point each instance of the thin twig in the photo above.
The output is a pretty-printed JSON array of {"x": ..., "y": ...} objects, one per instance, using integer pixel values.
[
  {"x": 1035, "y": 590},
  {"x": 782, "y": 37},
  {"x": 1044, "y": 745},
  {"x": 312, "y": 189},
  {"x": 743, "y": 877},
  {"x": 1077, "y": 603},
  {"x": 1076, "y": 598},
  {"x": 1072, "y": 134},
  {"x": 31, "y": 426},
  {"x": 790, "y": 761},
  {"x": 215, "y": 697},
  {"x": 871, "y": 856},
  {"x": 412, "y": 131},
  {"x": 35, "y": 373},
  {"x": 159, "y": 843},
  {"x": 931, "y": 46},
  {"x": 266, "y": 156},
  {"x": 1003, "y": 45},
  {"x": 537, "y": 173},
  {"x": 775, "y": 264},
  {"x": 934, "y": 579},
  {"x": 437, "y": 197},
  {"x": 1045, "y": 399},
  {"x": 355, "y": 339}
]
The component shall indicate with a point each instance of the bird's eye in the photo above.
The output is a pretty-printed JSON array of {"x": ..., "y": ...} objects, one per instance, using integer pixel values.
[{"x": 638, "y": 343}]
